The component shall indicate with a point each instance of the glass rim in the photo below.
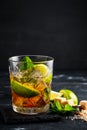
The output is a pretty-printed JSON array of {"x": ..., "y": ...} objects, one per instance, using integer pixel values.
[{"x": 10, "y": 59}]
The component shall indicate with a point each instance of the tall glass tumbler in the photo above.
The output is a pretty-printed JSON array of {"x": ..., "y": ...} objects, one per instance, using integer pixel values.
[{"x": 30, "y": 81}]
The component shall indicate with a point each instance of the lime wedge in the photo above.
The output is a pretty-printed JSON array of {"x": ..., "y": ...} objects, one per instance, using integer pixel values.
[
  {"x": 54, "y": 94},
  {"x": 25, "y": 90},
  {"x": 68, "y": 94},
  {"x": 48, "y": 79},
  {"x": 42, "y": 68}
]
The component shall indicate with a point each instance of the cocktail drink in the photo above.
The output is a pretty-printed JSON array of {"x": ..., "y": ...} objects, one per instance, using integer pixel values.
[{"x": 30, "y": 80}]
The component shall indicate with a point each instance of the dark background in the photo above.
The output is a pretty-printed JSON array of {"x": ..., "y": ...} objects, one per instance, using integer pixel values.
[{"x": 57, "y": 28}]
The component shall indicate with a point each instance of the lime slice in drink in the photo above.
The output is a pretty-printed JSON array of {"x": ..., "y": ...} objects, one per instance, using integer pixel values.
[
  {"x": 68, "y": 94},
  {"x": 54, "y": 94},
  {"x": 48, "y": 78},
  {"x": 25, "y": 90},
  {"x": 42, "y": 68}
]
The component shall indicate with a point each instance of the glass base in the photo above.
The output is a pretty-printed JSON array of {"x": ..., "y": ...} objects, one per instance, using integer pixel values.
[{"x": 31, "y": 111}]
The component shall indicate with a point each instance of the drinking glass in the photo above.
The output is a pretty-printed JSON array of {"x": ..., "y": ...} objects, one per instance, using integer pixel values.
[{"x": 30, "y": 81}]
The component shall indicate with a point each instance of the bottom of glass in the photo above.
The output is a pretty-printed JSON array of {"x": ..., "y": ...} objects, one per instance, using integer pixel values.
[{"x": 31, "y": 111}]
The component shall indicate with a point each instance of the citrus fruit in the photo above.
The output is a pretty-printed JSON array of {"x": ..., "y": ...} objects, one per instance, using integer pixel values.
[
  {"x": 54, "y": 94},
  {"x": 42, "y": 68},
  {"x": 25, "y": 90},
  {"x": 48, "y": 78},
  {"x": 68, "y": 94}
]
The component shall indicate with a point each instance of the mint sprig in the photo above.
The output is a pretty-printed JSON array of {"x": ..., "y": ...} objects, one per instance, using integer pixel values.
[
  {"x": 60, "y": 108},
  {"x": 26, "y": 63}
]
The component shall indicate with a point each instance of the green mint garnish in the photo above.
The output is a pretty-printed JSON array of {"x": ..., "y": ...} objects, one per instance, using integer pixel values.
[
  {"x": 26, "y": 63},
  {"x": 59, "y": 108}
]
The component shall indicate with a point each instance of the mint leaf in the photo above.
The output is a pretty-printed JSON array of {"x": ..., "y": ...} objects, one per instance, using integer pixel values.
[
  {"x": 69, "y": 108},
  {"x": 26, "y": 63},
  {"x": 59, "y": 108},
  {"x": 53, "y": 107}
]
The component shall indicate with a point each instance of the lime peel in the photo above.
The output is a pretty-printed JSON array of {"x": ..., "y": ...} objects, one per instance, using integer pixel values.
[
  {"x": 42, "y": 68},
  {"x": 24, "y": 90},
  {"x": 68, "y": 94}
]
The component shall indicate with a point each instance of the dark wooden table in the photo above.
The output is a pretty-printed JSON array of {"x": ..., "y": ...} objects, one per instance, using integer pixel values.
[{"x": 75, "y": 82}]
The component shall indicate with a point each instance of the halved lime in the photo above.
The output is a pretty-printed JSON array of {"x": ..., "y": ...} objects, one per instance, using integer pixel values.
[
  {"x": 54, "y": 94},
  {"x": 25, "y": 90},
  {"x": 68, "y": 94},
  {"x": 42, "y": 68}
]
